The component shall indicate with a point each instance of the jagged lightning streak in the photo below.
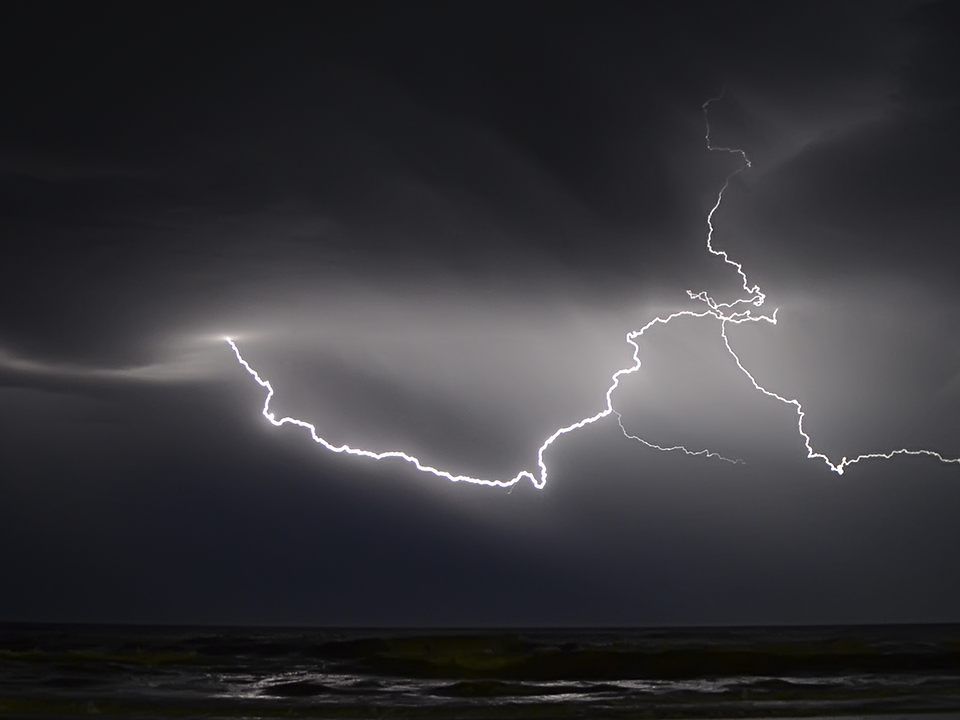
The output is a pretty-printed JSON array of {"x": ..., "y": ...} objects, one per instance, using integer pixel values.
[
  {"x": 674, "y": 448},
  {"x": 811, "y": 453},
  {"x": 721, "y": 311},
  {"x": 540, "y": 479},
  {"x": 756, "y": 298}
]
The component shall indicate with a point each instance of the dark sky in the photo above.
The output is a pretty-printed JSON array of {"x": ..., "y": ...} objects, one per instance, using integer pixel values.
[{"x": 431, "y": 226}]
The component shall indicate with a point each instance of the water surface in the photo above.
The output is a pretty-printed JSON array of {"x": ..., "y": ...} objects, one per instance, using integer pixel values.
[{"x": 148, "y": 672}]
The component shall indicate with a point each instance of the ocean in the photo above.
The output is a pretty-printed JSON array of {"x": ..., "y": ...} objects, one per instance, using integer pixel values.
[{"x": 157, "y": 672}]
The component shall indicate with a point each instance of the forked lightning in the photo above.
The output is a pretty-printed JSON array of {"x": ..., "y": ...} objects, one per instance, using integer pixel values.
[{"x": 725, "y": 313}]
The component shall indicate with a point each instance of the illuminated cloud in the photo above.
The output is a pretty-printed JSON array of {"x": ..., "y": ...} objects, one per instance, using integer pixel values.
[{"x": 744, "y": 309}]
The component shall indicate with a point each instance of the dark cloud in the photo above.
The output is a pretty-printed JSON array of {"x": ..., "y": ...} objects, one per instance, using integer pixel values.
[{"x": 432, "y": 226}]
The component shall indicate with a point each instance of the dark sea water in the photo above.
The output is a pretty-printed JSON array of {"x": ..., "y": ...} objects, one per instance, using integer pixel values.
[{"x": 152, "y": 672}]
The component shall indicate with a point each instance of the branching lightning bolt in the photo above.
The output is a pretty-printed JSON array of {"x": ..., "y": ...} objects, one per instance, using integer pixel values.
[{"x": 726, "y": 313}]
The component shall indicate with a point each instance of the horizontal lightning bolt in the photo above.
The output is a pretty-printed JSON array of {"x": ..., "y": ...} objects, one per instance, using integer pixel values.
[
  {"x": 675, "y": 448},
  {"x": 811, "y": 453},
  {"x": 724, "y": 312}
]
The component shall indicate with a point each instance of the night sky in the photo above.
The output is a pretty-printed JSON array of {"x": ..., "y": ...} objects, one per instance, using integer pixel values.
[{"x": 431, "y": 226}]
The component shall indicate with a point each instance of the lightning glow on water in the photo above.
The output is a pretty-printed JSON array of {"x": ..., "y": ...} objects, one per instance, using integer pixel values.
[{"x": 725, "y": 313}]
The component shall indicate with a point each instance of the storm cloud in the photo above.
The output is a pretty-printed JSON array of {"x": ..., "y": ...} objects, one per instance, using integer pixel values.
[{"x": 431, "y": 227}]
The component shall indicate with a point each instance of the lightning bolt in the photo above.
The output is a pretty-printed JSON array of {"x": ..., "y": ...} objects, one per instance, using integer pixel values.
[
  {"x": 725, "y": 312},
  {"x": 756, "y": 297}
]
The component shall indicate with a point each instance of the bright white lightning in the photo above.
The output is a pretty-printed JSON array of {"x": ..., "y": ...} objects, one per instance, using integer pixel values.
[
  {"x": 721, "y": 311},
  {"x": 756, "y": 298}
]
